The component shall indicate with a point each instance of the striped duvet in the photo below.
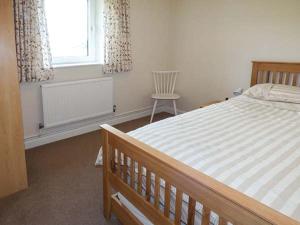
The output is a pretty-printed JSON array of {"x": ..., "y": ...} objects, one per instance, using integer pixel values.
[{"x": 250, "y": 145}]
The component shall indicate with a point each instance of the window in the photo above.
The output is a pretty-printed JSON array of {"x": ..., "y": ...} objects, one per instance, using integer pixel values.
[{"x": 72, "y": 31}]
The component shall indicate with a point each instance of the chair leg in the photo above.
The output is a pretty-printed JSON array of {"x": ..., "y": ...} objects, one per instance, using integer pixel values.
[
  {"x": 153, "y": 111},
  {"x": 175, "y": 109}
]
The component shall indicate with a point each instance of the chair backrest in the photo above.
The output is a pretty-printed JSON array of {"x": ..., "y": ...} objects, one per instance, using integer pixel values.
[{"x": 165, "y": 81}]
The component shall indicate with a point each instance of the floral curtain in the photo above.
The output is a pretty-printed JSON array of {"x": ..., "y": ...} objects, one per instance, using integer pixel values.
[
  {"x": 32, "y": 44},
  {"x": 117, "y": 52}
]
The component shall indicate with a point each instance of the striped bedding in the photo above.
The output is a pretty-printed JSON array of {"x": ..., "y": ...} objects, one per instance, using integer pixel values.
[
  {"x": 250, "y": 145},
  {"x": 285, "y": 93}
]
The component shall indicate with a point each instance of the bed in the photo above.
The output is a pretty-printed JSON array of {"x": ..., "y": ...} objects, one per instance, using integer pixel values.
[{"x": 235, "y": 162}]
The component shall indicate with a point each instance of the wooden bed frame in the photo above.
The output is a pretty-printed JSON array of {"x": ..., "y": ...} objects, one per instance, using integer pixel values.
[{"x": 231, "y": 206}]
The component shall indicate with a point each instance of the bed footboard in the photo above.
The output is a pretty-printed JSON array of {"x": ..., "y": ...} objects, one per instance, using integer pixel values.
[{"x": 127, "y": 161}]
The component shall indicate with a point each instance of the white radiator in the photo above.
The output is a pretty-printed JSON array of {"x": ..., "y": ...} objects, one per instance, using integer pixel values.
[{"x": 72, "y": 101}]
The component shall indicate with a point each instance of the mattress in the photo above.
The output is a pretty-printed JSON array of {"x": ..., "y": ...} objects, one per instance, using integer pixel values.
[{"x": 250, "y": 145}]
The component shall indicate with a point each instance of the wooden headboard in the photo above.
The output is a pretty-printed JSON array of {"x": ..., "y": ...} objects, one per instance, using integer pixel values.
[{"x": 276, "y": 73}]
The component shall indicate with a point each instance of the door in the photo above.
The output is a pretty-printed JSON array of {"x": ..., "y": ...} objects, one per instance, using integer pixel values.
[{"x": 13, "y": 176}]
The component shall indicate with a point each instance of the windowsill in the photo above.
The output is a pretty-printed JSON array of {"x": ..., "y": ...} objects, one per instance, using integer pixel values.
[{"x": 76, "y": 65}]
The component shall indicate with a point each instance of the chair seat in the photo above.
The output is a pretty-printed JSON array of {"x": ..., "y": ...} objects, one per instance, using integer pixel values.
[{"x": 166, "y": 96}]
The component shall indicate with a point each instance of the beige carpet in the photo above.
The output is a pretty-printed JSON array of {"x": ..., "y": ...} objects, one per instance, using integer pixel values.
[{"x": 64, "y": 186}]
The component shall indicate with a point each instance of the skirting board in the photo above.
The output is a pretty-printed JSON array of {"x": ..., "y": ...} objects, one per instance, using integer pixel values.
[{"x": 54, "y": 136}]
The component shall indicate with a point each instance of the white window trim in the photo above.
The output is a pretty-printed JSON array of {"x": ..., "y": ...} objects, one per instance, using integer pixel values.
[
  {"x": 55, "y": 66},
  {"x": 92, "y": 57}
]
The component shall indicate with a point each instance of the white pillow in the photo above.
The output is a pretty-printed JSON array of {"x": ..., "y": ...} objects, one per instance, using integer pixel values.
[
  {"x": 275, "y": 92},
  {"x": 259, "y": 91}
]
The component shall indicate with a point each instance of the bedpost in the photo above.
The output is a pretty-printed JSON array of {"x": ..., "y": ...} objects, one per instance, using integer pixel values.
[
  {"x": 106, "y": 169},
  {"x": 255, "y": 71}
]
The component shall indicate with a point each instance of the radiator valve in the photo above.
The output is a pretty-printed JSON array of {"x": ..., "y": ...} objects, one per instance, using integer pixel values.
[{"x": 41, "y": 126}]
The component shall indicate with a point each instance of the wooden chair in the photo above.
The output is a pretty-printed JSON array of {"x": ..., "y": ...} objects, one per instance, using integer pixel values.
[{"x": 164, "y": 82}]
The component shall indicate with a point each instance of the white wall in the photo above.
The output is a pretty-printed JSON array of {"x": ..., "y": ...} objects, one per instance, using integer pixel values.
[
  {"x": 150, "y": 44},
  {"x": 215, "y": 41}
]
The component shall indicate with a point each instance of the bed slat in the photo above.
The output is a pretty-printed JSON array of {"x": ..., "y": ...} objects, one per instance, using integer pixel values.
[
  {"x": 140, "y": 181},
  {"x": 178, "y": 206},
  {"x": 222, "y": 221},
  {"x": 271, "y": 75},
  {"x": 156, "y": 192},
  {"x": 295, "y": 77},
  {"x": 119, "y": 167},
  {"x": 191, "y": 212},
  {"x": 148, "y": 185},
  {"x": 205, "y": 216},
  {"x": 167, "y": 199},
  {"x": 287, "y": 81},
  {"x": 132, "y": 173},
  {"x": 125, "y": 170},
  {"x": 280, "y": 78},
  {"x": 113, "y": 159}
]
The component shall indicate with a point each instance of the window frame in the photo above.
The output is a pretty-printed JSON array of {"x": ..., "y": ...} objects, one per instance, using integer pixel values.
[{"x": 91, "y": 42}]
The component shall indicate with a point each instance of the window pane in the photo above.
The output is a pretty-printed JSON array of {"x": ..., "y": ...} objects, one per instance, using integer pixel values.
[{"x": 68, "y": 27}]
